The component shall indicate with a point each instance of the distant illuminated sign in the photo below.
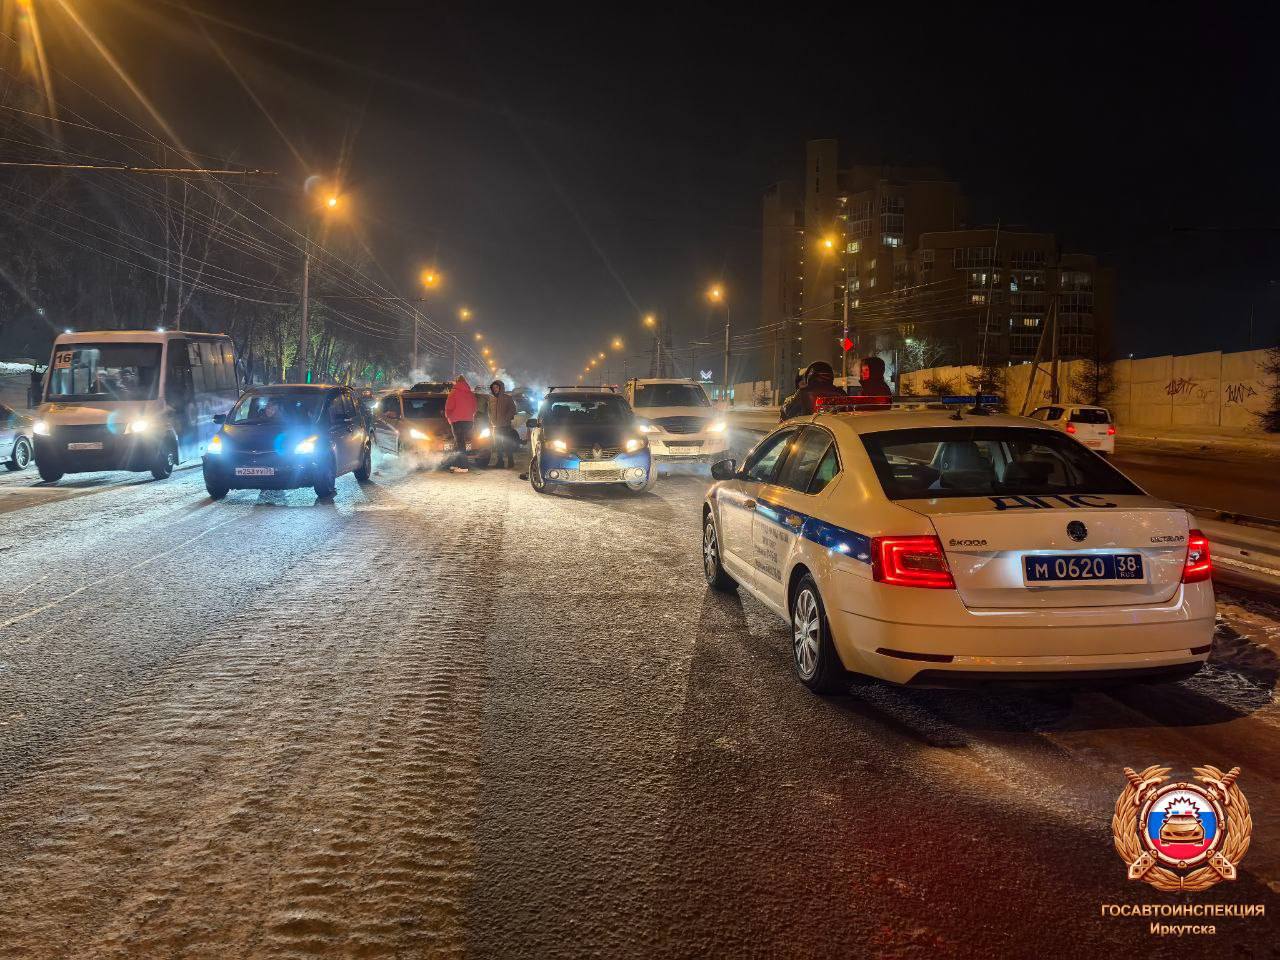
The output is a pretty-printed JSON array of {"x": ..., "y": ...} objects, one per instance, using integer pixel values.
[{"x": 704, "y": 374}]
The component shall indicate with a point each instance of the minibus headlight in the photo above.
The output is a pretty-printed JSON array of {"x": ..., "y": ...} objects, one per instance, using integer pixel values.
[
  {"x": 40, "y": 428},
  {"x": 141, "y": 425},
  {"x": 306, "y": 446},
  {"x": 215, "y": 444}
]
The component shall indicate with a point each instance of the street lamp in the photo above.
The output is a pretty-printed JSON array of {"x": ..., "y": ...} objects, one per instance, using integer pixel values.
[
  {"x": 328, "y": 206},
  {"x": 464, "y": 314},
  {"x": 715, "y": 293},
  {"x": 828, "y": 246}
]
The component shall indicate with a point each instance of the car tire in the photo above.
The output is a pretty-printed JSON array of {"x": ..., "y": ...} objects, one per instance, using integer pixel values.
[
  {"x": 20, "y": 459},
  {"x": 216, "y": 490},
  {"x": 49, "y": 471},
  {"x": 717, "y": 578},
  {"x": 536, "y": 480},
  {"x": 813, "y": 655},
  {"x": 365, "y": 470},
  {"x": 165, "y": 461},
  {"x": 326, "y": 480}
]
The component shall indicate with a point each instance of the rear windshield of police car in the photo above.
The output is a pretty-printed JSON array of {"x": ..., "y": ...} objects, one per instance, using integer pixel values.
[
  {"x": 932, "y": 462},
  {"x": 1090, "y": 415}
]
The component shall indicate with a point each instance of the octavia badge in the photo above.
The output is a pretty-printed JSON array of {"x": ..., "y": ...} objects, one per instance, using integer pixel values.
[{"x": 1077, "y": 531}]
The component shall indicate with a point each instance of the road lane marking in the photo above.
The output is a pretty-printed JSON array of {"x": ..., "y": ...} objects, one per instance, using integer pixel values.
[{"x": 113, "y": 576}]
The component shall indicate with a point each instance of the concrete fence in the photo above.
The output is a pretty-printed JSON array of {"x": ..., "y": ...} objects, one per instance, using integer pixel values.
[{"x": 1214, "y": 390}]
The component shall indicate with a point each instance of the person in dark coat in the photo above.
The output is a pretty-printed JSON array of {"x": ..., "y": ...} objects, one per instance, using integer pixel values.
[
  {"x": 819, "y": 381},
  {"x": 502, "y": 410},
  {"x": 871, "y": 377}
]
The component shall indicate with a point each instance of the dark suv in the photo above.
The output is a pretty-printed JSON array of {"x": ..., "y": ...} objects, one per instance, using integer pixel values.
[{"x": 588, "y": 436}]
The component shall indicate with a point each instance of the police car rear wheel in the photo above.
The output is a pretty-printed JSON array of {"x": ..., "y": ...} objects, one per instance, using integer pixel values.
[
  {"x": 817, "y": 664},
  {"x": 716, "y": 576}
]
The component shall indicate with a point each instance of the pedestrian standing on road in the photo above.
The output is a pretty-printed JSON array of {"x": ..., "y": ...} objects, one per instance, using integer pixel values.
[
  {"x": 460, "y": 411},
  {"x": 819, "y": 381},
  {"x": 502, "y": 410}
]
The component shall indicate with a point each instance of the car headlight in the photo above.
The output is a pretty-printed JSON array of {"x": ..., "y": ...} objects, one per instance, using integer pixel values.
[
  {"x": 718, "y": 427},
  {"x": 486, "y": 433},
  {"x": 306, "y": 446},
  {"x": 215, "y": 444},
  {"x": 141, "y": 425},
  {"x": 418, "y": 434},
  {"x": 647, "y": 427},
  {"x": 634, "y": 444},
  {"x": 559, "y": 446},
  {"x": 40, "y": 428}
]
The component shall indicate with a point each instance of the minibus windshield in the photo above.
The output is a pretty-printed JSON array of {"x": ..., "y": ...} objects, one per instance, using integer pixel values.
[{"x": 104, "y": 371}]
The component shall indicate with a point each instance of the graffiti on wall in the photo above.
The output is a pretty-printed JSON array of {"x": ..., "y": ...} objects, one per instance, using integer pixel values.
[
  {"x": 1238, "y": 392},
  {"x": 1188, "y": 388}
]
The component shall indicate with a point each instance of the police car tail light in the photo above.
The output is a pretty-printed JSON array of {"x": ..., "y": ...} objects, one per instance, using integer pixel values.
[
  {"x": 1071, "y": 427},
  {"x": 1199, "y": 565},
  {"x": 910, "y": 562},
  {"x": 1111, "y": 431}
]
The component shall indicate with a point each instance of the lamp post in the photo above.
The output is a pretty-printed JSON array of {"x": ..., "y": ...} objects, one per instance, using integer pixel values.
[
  {"x": 327, "y": 206},
  {"x": 828, "y": 246},
  {"x": 716, "y": 295},
  {"x": 653, "y": 323}
]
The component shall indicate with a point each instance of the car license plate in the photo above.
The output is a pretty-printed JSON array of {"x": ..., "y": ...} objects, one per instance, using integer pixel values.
[
  {"x": 255, "y": 471},
  {"x": 87, "y": 445},
  {"x": 590, "y": 465},
  {"x": 1082, "y": 567}
]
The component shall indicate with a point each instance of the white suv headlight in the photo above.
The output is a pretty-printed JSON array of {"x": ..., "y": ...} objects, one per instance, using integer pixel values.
[
  {"x": 718, "y": 427},
  {"x": 141, "y": 425},
  {"x": 647, "y": 427},
  {"x": 634, "y": 443},
  {"x": 306, "y": 446}
]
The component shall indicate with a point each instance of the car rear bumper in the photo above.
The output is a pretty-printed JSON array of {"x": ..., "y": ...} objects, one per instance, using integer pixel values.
[{"x": 1102, "y": 650}]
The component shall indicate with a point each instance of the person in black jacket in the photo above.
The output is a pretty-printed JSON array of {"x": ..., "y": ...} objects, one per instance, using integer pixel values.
[{"x": 819, "y": 381}]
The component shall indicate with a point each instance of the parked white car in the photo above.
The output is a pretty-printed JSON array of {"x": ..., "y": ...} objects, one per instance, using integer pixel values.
[
  {"x": 678, "y": 420},
  {"x": 1092, "y": 426}
]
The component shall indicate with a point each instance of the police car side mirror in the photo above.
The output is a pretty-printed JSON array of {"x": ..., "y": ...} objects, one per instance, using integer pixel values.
[
  {"x": 724, "y": 469},
  {"x": 533, "y": 423}
]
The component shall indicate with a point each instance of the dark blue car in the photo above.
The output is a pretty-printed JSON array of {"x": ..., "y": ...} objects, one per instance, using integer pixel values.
[
  {"x": 588, "y": 436},
  {"x": 288, "y": 436}
]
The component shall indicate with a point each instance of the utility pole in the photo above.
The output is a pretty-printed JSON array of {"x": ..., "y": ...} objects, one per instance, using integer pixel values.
[
  {"x": 726, "y": 351},
  {"x": 844, "y": 354},
  {"x": 415, "y": 341},
  {"x": 1053, "y": 368},
  {"x": 303, "y": 342}
]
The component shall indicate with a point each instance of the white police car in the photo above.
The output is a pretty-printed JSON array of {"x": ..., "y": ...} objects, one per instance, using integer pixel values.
[{"x": 940, "y": 546}]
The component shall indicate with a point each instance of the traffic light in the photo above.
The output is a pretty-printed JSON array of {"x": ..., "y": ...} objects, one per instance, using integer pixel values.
[{"x": 847, "y": 344}]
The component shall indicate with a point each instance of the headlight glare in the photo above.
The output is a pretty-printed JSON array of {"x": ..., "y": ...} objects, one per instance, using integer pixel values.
[
  {"x": 215, "y": 444},
  {"x": 559, "y": 446},
  {"x": 634, "y": 444},
  {"x": 306, "y": 446},
  {"x": 141, "y": 425},
  {"x": 40, "y": 428},
  {"x": 647, "y": 427},
  {"x": 417, "y": 434},
  {"x": 718, "y": 427},
  {"x": 486, "y": 433}
]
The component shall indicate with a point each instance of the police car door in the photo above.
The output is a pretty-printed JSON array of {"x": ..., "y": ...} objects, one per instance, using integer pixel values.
[
  {"x": 737, "y": 500},
  {"x": 783, "y": 507}
]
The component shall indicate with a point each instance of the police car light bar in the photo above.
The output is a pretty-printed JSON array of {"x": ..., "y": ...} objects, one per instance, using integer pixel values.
[{"x": 836, "y": 403}]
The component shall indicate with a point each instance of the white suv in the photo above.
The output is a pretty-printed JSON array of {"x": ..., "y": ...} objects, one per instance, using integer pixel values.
[
  {"x": 1092, "y": 426},
  {"x": 678, "y": 420}
]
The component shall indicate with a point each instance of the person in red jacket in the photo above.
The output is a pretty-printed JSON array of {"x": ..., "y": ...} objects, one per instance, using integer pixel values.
[{"x": 460, "y": 410}]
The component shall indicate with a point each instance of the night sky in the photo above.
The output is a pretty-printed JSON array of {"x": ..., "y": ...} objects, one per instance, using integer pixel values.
[{"x": 573, "y": 168}]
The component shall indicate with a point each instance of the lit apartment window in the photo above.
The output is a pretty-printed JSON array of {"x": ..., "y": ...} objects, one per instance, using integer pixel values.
[
  {"x": 977, "y": 298},
  {"x": 871, "y": 264},
  {"x": 892, "y": 220},
  {"x": 855, "y": 246},
  {"x": 871, "y": 282},
  {"x": 1076, "y": 280},
  {"x": 891, "y": 240}
]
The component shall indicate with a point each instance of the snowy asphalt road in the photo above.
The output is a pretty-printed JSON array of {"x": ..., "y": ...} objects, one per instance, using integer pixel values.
[{"x": 446, "y": 716}]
